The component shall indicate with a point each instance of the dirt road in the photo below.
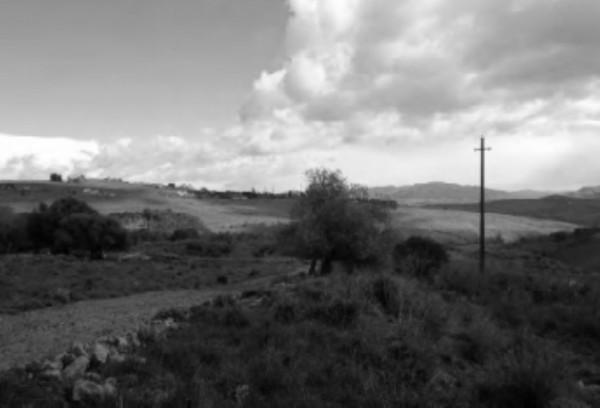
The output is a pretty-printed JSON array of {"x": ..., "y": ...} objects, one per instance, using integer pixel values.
[{"x": 33, "y": 335}]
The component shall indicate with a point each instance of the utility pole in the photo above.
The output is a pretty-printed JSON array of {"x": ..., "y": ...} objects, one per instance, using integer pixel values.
[{"x": 482, "y": 149}]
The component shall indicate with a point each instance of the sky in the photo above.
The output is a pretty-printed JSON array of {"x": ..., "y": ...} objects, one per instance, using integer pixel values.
[{"x": 252, "y": 93}]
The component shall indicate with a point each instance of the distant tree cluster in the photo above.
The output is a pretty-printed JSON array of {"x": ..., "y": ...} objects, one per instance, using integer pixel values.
[
  {"x": 66, "y": 226},
  {"x": 56, "y": 177}
]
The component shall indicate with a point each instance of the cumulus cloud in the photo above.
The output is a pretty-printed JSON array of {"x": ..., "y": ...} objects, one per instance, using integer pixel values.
[
  {"x": 395, "y": 92},
  {"x": 399, "y": 76}
]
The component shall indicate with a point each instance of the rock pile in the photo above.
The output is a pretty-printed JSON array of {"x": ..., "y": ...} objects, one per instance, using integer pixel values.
[{"x": 78, "y": 368}]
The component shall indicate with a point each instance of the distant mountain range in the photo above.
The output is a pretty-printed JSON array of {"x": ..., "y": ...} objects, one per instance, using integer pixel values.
[
  {"x": 438, "y": 192},
  {"x": 586, "y": 192}
]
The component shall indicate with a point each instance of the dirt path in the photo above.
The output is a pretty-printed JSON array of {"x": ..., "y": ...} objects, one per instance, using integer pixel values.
[{"x": 33, "y": 335}]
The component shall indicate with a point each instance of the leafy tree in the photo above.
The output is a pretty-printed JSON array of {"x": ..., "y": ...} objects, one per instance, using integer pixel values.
[
  {"x": 334, "y": 221},
  {"x": 56, "y": 177}
]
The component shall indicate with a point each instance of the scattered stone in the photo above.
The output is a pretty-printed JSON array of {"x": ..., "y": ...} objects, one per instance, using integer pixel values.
[
  {"x": 91, "y": 376},
  {"x": 122, "y": 343},
  {"x": 100, "y": 353},
  {"x": 116, "y": 357},
  {"x": 77, "y": 368},
  {"x": 51, "y": 374},
  {"x": 134, "y": 340},
  {"x": 52, "y": 365},
  {"x": 78, "y": 350},
  {"x": 66, "y": 358},
  {"x": 110, "y": 387},
  {"x": 241, "y": 394},
  {"x": 87, "y": 390},
  {"x": 62, "y": 295}
]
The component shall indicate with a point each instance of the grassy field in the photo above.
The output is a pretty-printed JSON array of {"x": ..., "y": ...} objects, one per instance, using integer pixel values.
[
  {"x": 36, "y": 281},
  {"x": 572, "y": 210},
  {"x": 117, "y": 197},
  {"x": 462, "y": 227}
]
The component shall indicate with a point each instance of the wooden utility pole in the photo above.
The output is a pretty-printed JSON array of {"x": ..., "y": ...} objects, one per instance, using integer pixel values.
[{"x": 482, "y": 149}]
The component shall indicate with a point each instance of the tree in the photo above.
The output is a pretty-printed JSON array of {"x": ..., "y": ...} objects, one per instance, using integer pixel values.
[
  {"x": 89, "y": 232},
  {"x": 56, "y": 177},
  {"x": 334, "y": 221}
]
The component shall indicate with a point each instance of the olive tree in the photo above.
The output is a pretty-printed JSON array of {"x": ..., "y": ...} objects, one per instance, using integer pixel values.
[{"x": 335, "y": 221}]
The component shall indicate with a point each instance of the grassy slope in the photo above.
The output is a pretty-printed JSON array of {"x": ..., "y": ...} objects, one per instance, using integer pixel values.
[
  {"x": 112, "y": 197},
  {"x": 461, "y": 227},
  {"x": 577, "y": 211}
]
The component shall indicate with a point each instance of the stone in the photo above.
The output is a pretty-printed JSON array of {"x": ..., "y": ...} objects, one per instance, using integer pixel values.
[
  {"x": 51, "y": 374},
  {"x": 62, "y": 295},
  {"x": 87, "y": 390},
  {"x": 133, "y": 339},
  {"x": 100, "y": 353},
  {"x": 91, "y": 376},
  {"x": 66, "y": 358},
  {"x": 77, "y": 368},
  {"x": 241, "y": 394},
  {"x": 122, "y": 343},
  {"x": 110, "y": 387},
  {"x": 78, "y": 349},
  {"x": 116, "y": 357},
  {"x": 52, "y": 365}
]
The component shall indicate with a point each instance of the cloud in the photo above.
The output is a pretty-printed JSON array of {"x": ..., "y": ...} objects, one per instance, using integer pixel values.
[
  {"x": 392, "y": 92},
  {"x": 400, "y": 76}
]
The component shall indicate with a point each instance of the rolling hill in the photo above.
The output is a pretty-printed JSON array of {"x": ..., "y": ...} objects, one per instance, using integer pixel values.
[
  {"x": 581, "y": 211},
  {"x": 438, "y": 192}
]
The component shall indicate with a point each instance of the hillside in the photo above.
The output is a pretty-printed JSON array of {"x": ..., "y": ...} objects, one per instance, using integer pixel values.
[
  {"x": 109, "y": 197},
  {"x": 561, "y": 208},
  {"x": 438, "y": 192}
]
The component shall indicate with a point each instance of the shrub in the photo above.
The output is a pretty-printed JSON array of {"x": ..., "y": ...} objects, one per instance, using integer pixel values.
[
  {"x": 89, "y": 232},
  {"x": 211, "y": 245},
  {"x": 184, "y": 233},
  {"x": 337, "y": 313},
  {"x": 419, "y": 256},
  {"x": 526, "y": 377},
  {"x": 385, "y": 293}
]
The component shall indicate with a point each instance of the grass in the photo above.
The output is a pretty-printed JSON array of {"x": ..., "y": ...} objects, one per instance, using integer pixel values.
[
  {"x": 571, "y": 210},
  {"x": 369, "y": 340},
  {"x": 31, "y": 282}
]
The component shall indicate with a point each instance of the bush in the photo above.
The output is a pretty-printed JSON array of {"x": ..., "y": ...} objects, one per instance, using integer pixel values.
[
  {"x": 524, "y": 378},
  {"x": 419, "y": 256},
  {"x": 89, "y": 232},
  {"x": 385, "y": 293},
  {"x": 211, "y": 245},
  {"x": 184, "y": 233}
]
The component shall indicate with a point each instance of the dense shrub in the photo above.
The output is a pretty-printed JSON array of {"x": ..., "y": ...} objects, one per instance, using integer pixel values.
[
  {"x": 525, "y": 377},
  {"x": 89, "y": 232},
  {"x": 385, "y": 292},
  {"x": 211, "y": 245},
  {"x": 419, "y": 256},
  {"x": 184, "y": 233}
]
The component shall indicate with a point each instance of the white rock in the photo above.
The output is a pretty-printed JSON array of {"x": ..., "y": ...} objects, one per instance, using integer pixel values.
[
  {"x": 100, "y": 353},
  {"x": 86, "y": 389},
  {"x": 78, "y": 350},
  {"x": 77, "y": 368}
]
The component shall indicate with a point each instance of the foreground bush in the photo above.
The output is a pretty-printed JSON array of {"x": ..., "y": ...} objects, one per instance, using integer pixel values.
[{"x": 419, "y": 256}]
